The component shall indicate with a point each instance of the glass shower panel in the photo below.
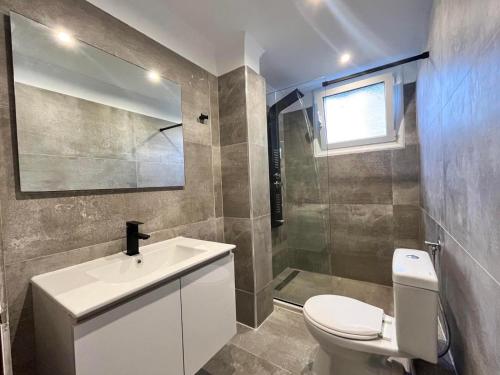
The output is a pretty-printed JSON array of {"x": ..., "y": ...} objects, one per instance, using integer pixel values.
[
  {"x": 301, "y": 248},
  {"x": 344, "y": 185}
]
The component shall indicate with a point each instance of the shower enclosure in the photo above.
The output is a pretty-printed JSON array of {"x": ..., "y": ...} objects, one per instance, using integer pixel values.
[{"x": 338, "y": 213}]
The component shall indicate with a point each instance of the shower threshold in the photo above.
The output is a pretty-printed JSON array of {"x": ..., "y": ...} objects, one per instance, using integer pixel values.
[{"x": 295, "y": 287}]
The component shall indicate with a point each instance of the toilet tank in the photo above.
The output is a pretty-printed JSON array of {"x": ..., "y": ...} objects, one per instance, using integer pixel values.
[{"x": 415, "y": 286}]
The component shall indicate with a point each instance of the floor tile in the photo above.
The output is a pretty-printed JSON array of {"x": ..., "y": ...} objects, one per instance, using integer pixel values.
[
  {"x": 232, "y": 360},
  {"x": 281, "y": 346},
  {"x": 282, "y": 339}
]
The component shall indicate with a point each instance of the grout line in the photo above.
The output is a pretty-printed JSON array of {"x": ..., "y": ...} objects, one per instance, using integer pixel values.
[
  {"x": 234, "y": 144},
  {"x": 259, "y": 357},
  {"x": 461, "y": 247}
]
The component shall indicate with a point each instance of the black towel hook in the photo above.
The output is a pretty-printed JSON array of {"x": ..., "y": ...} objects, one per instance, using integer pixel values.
[{"x": 202, "y": 118}]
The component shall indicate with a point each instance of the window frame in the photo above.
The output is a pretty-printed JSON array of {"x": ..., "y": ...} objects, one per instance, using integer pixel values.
[{"x": 390, "y": 139}]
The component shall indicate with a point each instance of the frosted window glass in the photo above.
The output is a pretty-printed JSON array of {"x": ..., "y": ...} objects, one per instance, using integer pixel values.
[{"x": 356, "y": 114}]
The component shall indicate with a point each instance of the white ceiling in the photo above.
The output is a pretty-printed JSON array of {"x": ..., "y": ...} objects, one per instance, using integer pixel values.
[{"x": 302, "y": 39}]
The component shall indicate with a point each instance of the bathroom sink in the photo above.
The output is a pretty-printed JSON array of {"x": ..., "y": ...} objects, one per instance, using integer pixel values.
[
  {"x": 128, "y": 269},
  {"x": 87, "y": 287}
]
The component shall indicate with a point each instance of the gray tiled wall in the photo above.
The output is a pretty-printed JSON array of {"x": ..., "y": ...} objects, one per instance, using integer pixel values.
[
  {"x": 459, "y": 126},
  {"x": 43, "y": 232},
  {"x": 245, "y": 190},
  {"x": 305, "y": 201},
  {"x": 346, "y": 214}
]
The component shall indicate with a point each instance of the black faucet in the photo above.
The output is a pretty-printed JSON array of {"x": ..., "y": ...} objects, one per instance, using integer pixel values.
[{"x": 133, "y": 237}]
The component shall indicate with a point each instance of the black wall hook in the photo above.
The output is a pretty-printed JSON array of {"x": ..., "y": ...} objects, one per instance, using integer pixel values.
[{"x": 202, "y": 118}]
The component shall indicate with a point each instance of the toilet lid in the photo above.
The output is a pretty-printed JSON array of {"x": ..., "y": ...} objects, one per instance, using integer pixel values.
[{"x": 344, "y": 316}]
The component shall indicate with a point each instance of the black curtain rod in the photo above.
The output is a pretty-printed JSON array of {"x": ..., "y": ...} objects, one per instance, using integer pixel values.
[
  {"x": 424, "y": 55},
  {"x": 170, "y": 127}
]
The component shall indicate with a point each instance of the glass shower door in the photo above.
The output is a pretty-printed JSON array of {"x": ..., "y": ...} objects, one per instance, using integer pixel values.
[{"x": 301, "y": 248}]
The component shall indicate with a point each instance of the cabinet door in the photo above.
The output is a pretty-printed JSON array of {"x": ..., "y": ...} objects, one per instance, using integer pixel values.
[
  {"x": 143, "y": 336},
  {"x": 208, "y": 312}
]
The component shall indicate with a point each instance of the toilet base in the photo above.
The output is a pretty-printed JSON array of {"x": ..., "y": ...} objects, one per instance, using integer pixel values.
[{"x": 343, "y": 361}]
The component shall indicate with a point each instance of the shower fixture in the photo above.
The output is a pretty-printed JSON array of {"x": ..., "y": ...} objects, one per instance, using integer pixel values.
[{"x": 275, "y": 156}]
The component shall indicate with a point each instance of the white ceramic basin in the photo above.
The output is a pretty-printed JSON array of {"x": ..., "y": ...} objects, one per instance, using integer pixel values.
[
  {"x": 93, "y": 285},
  {"x": 123, "y": 270}
]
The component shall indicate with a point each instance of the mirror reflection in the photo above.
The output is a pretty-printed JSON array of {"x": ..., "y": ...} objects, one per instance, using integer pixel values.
[{"x": 88, "y": 120}]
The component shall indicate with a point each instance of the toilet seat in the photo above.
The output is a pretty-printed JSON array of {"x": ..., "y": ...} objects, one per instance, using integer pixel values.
[{"x": 345, "y": 317}]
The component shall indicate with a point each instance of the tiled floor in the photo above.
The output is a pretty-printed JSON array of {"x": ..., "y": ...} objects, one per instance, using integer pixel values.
[
  {"x": 280, "y": 346},
  {"x": 307, "y": 284}
]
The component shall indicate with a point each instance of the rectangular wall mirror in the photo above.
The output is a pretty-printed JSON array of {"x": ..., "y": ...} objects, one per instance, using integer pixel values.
[{"x": 88, "y": 120}]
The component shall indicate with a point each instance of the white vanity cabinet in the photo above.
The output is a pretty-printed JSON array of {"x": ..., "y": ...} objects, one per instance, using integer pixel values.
[
  {"x": 143, "y": 336},
  {"x": 208, "y": 312},
  {"x": 172, "y": 328}
]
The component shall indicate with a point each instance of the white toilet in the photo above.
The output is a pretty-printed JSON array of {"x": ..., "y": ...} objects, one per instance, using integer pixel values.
[{"x": 360, "y": 339}]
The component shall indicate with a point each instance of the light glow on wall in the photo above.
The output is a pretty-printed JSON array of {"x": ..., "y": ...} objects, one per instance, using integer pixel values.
[
  {"x": 65, "y": 38},
  {"x": 154, "y": 76}
]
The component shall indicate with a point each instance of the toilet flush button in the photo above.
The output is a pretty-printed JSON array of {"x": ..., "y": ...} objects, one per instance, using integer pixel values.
[{"x": 411, "y": 256}]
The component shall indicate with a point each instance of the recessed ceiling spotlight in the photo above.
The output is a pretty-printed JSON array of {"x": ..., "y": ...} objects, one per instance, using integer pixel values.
[
  {"x": 64, "y": 38},
  {"x": 345, "y": 58},
  {"x": 154, "y": 76}
]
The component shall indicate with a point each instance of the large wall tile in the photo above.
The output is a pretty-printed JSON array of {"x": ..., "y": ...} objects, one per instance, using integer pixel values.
[
  {"x": 361, "y": 178},
  {"x": 458, "y": 47},
  {"x": 407, "y": 221},
  {"x": 304, "y": 176},
  {"x": 213, "y": 83},
  {"x": 460, "y": 174},
  {"x": 474, "y": 328},
  {"x": 279, "y": 249},
  {"x": 217, "y": 176},
  {"x": 219, "y": 229},
  {"x": 232, "y": 107},
  {"x": 431, "y": 166},
  {"x": 262, "y": 251},
  {"x": 239, "y": 232},
  {"x": 235, "y": 180},
  {"x": 264, "y": 302},
  {"x": 406, "y": 175},
  {"x": 472, "y": 169},
  {"x": 362, "y": 241},
  {"x": 245, "y": 308},
  {"x": 308, "y": 227},
  {"x": 256, "y": 108},
  {"x": 360, "y": 228},
  {"x": 259, "y": 180},
  {"x": 410, "y": 113},
  {"x": 309, "y": 260},
  {"x": 196, "y": 100},
  {"x": 363, "y": 266}
]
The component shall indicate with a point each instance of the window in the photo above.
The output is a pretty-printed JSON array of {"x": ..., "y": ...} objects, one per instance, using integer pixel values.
[{"x": 352, "y": 117}]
